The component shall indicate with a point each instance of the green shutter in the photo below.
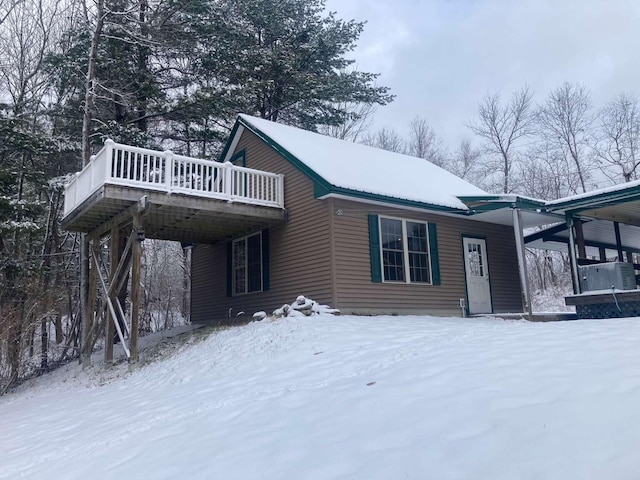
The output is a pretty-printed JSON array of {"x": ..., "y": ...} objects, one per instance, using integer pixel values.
[
  {"x": 374, "y": 248},
  {"x": 265, "y": 260},
  {"x": 433, "y": 254},
  {"x": 229, "y": 269}
]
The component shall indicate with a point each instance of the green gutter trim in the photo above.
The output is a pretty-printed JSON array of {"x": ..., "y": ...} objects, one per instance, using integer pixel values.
[
  {"x": 598, "y": 201},
  {"x": 320, "y": 192},
  {"x": 494, "y": 202}
]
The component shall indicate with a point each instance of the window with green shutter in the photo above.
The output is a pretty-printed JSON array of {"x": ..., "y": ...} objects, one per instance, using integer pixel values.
[{"x": 403, "y": 251}]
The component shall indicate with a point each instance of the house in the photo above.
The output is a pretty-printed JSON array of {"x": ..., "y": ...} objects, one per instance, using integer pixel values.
[
  {"x": 291, "y": 212},
  {"x": 367, "y": 231}
]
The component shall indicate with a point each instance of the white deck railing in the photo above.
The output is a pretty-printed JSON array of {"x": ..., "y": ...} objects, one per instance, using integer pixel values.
[{"x": 118, "y": 164}]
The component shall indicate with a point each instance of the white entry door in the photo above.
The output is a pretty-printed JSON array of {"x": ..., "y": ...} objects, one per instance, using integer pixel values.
[{"x": 477, "y": 272}]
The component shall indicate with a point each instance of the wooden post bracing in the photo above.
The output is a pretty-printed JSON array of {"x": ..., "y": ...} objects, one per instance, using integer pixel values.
[
  {"x": 123, "y": 262},
  {"x": 113, "y": 267}
]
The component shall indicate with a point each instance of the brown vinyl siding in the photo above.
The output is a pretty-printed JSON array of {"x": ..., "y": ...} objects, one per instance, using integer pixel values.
[
  {"x": 325, "y": 256},
  {"x": 356, "y": 293},
  {"x": 300, "y": 254}
]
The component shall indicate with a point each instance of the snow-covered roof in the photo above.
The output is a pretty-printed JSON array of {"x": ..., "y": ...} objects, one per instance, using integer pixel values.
[{"x": 359, "y": 168}]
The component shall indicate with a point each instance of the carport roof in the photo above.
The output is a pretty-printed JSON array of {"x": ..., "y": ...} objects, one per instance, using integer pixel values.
[{"x": 597, "y": 209}]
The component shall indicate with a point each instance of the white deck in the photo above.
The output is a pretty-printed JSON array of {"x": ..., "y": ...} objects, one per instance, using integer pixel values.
[{"x": 151, "y": 170}]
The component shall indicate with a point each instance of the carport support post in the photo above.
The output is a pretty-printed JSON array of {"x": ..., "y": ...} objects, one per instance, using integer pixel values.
[
  {"x": 616, "y": 229},
  {"x": 522, "y": 261},
  {"x": 572, "y": 253},
  {"x": 582, "y": 249}
]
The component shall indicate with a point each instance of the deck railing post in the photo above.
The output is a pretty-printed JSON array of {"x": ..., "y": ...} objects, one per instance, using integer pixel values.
[
  {"x": 228, "y": 180},
  {"x": 108, "y": 153},
  {"x": 90, "y": 169},
  {"x": 280, "y": 198},
  {"x": 169, "y": 169}
]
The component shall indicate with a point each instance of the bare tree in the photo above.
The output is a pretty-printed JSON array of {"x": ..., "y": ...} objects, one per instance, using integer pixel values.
[
  {"x": 464, "y": 162},
  {"x": 358, "y": 121},
  {"x": 424, "y": 143},
  {"x": 386, "y": 139},
  {"x": 6, "y": 7},
  {"x": 544, "y": 173},
  {"x": 502, "y": 127},
  {"x": 90, "y": 83},
  {"x": 565, "y": 121},
  {"x": 618, "y": 136},
  {"x": 25, "y": 38}
]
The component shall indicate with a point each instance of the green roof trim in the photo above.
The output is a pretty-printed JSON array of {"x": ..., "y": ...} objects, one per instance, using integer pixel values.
[
  {"x": 227, "y": 145},
  {"x": 604, "y": 199},
  {"x": 317, "y": 179}
]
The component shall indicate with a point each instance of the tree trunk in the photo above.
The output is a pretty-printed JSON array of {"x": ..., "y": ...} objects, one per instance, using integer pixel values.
[
  {"x": 89, "y": 101},
  {"x": 44, "y": 346}
]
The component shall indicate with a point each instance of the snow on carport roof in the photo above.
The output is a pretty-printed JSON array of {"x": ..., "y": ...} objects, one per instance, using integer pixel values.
[
  {"x": 360, "y": 168},
  {"x": 595, "y": 197}
]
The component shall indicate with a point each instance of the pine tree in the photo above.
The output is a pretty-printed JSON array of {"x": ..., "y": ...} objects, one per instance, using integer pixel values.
[{"x": 285, "y": 60}]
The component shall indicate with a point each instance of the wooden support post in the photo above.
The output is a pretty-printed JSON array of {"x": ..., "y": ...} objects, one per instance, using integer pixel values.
[
  {"x": 113, "y": 268},
  {"x": 572, "y": 253},
  {"x": 616, "y": 228},
  {"x": 603, "y": 254},
  {"x": 136, "y": 263},
  {"x": 88, "y": 331},
  {"x": 85, "y": 327},
  {"x": 582, "y": 251}
]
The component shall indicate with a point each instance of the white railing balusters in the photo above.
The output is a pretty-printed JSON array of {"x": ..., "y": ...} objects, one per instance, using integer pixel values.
[{"x": 123, "y": 165}]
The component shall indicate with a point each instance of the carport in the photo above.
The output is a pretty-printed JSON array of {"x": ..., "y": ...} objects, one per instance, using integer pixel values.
[{"x": 600, "y": 227}]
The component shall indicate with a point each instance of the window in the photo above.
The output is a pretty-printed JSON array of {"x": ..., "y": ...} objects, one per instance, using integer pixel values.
[
  {"x": 247, "y": 264},
  {"x": 405, "y": 251}
]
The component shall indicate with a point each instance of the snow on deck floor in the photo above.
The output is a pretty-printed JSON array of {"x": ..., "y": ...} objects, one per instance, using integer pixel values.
[{"x": 452, "y": 399}]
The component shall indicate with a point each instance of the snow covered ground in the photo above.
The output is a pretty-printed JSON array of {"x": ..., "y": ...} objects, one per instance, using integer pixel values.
[{"x": 345, "y": 397}]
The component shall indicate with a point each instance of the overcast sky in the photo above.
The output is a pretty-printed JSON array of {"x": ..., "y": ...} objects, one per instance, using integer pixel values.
[{"x": 440, "y": 57}]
